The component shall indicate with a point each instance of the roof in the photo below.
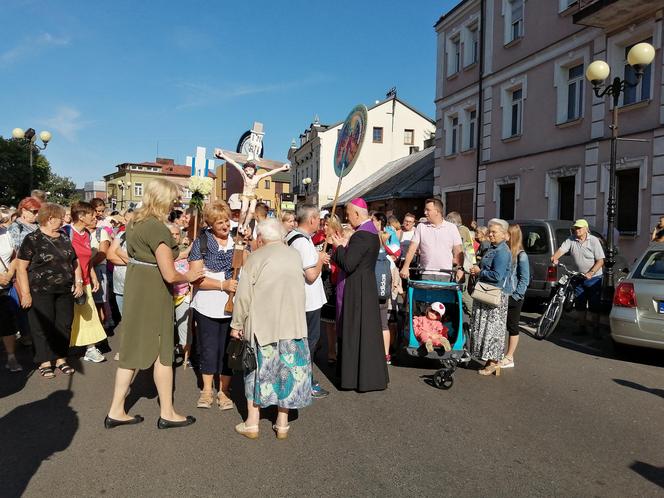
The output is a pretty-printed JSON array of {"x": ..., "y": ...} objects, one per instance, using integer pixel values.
[
  {"x": 408, "y": 177},
  {"x": 267, "y": 164},
  {"x": 283, "y": 177},
  {"x": 454, "y": 9},
  {"x": 389, "y": 99},
  {"x": 181, "y": 170}
]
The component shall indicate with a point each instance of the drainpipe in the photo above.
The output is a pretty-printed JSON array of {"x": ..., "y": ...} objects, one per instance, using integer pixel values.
[{"x": 480, "y": 107}]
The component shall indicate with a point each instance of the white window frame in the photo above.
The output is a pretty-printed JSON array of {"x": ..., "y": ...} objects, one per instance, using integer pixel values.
[
  {"x": 561, "y": 83},
  {"x": 628, "y": 163},
  {"x": 469, "y": 132},
  {"x": 412, "y": 136},
  {"x": 452, "y": 62},
  {"x": 138, "y": 189},
  {"x": 506, "y": 180},
  {"x": 551, "y": 188},
  {"x": 508, "y": 21},
  {"x": 506, "y": 91},
  {"x": 470, "y": 38},
  {"x": 616, "y": 52},
  {"x": 449, "y": 118},
  {"x": 455, "y": 134}
]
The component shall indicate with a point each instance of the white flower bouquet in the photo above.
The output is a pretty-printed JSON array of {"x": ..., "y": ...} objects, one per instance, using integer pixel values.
[{"x": 200, "y": 187}]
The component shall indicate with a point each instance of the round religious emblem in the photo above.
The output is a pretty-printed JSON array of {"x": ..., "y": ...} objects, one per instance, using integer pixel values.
[{"x": 350, "y": 140}]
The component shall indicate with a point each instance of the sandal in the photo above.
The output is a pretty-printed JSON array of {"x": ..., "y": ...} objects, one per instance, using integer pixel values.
[
  {"x": 205, "y": 400},
  {"x": 224, "y": 401},
  {"x": 65, "y": 369},
  {"x": 46, "y": 372},
  {"x": 246, "y": 431},
  {"x": 281, "y": 432}
]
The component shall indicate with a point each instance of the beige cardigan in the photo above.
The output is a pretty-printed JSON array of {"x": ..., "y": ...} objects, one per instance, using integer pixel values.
[{"x": 269, "y": 303}]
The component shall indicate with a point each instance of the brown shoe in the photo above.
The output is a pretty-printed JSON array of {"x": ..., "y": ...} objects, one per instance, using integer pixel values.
[
  {"x": 205, "y": 400},
  {"x": 224, "y": 401}
]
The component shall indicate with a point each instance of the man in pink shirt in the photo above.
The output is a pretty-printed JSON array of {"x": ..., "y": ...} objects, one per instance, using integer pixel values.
[{"x": 439, "y": 244}]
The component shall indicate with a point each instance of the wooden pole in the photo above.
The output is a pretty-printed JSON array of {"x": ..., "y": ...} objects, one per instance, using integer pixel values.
[{"x": 334, "y": 204}]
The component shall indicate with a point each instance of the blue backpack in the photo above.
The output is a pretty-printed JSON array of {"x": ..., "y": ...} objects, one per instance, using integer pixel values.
[{"x": 383, "y": 276}]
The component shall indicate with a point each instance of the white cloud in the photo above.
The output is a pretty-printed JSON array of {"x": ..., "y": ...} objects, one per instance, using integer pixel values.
[
  {"x": 66, "y": 122},
  {"x": 200, "y": 94},
  {"x": 30, "y": 46}
]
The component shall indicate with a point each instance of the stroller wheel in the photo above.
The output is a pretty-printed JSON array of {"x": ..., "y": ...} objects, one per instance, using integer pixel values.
[{"x": 443, "y": 379}]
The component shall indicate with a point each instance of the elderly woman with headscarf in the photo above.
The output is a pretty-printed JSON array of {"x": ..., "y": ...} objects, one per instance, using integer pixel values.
[
  {"x": 488, "y": 323},
  {"x": 269, "y": 313}
]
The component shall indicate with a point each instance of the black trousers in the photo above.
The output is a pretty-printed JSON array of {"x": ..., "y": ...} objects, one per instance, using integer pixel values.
[
  {"x": 513, "y": 315},
  {"x": 213, "y": 336},
  {"x": 50, "y": 317}
]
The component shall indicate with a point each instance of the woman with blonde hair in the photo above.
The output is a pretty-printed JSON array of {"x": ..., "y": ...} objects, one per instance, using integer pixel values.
[
  {"x": 515, "y": 288},
  {"x": 212, "y": 253},
  {"x": 288, "y": 220},
  {"x": 147, "y": 321}
]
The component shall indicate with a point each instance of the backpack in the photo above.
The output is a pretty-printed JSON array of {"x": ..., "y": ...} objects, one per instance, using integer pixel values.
[{"x": 383, "y": 276}]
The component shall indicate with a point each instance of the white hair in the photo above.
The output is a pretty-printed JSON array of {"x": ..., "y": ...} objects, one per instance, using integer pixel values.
[
  {"x": 270, "y": 230},
  {"x": 504, "y": 226}
]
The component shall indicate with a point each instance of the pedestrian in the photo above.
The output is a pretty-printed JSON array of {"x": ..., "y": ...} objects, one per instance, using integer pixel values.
[
  {"x": 393, "y": 223},
  {"x": 469, "y": 257},
  {"x": 26, "y": 221},
  {"x": 288, "y": 220},
  {"x": 408, "y": 228},
  {"x": 308, "y": 221},
  {"x": 439, "y": 244},
  {"x": 87, "y": 329},
  {"x": 362, "y": 355},
  {"x": 483, "y": 243},
  {"x": 515, "y": 288},
  {"x": 8, "y": 307},
  {"x": 181, "y": 295},
  {"x": 101, "y": 231},
  {"x": 588, "y": 256},
  {"x": 147, "y": 323},
  {"x": 658, "y": 231},
  {"x": 488, "y": 323},
  {"x": 277, "y": 329},
  {"x": 329, "y": 309},
  {"x": 212, "y": 253},
  {"x": 49, "y": 278}
]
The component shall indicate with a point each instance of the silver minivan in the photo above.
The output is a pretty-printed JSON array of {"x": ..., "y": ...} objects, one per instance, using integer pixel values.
[{"x": 637, "y": 316}]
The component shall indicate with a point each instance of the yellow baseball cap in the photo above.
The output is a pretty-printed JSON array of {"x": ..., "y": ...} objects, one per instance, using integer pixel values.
[{"x": 580, "y": 224}]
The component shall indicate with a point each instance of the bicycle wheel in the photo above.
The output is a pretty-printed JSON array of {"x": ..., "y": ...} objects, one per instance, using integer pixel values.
[{"x": 549, "y": 320}]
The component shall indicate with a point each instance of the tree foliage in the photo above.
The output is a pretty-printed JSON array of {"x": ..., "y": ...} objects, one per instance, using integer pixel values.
[{"x": 15, "y": 175}]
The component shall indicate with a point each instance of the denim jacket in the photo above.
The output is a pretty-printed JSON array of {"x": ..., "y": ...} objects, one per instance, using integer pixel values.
[
  {"x": 519, "y": 278},
  {"x": 495, "y": 265}
]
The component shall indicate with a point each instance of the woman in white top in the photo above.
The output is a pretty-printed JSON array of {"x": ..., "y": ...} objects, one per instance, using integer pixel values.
[
  {"x": 8, "y": 307},
  {"x": 213, "y": 250}
]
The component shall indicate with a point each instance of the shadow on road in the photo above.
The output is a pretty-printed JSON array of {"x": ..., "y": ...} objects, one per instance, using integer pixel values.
[
  {"x": 11, "y": 383},
  {"x": 640, "y": 387},
  {"x": 142, "y": 387},
  {"x": 650, "y": 472},
  {"x": 30, "y": 434}
]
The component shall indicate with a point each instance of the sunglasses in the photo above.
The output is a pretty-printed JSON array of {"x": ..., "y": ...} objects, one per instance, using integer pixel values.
[{"x": 34, "y": 211}]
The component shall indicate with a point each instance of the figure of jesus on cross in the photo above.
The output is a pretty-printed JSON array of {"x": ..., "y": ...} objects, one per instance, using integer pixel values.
[{"x": 251, "y": 181}]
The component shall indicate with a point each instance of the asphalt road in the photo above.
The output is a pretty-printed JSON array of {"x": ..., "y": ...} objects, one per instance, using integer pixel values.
[{"x": 571, "y": 419}]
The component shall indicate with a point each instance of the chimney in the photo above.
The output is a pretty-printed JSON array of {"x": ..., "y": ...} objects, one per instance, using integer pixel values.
[{"x": 165, "y": 161}]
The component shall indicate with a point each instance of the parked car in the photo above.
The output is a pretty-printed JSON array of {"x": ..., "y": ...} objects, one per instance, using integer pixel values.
[
  {"x": 541, "y": 238},
  {"x": 637, "y": 316}
]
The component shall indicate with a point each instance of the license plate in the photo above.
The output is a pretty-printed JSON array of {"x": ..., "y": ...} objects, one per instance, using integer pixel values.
[{"x": 660, "y": 308}]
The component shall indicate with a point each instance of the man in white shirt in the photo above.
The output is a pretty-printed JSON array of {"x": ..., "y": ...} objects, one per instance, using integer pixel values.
[{"x": 312, "y": 264}]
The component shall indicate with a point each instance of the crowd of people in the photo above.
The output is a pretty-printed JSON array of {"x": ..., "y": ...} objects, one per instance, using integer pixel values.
[{"x": 70, "y": 276}]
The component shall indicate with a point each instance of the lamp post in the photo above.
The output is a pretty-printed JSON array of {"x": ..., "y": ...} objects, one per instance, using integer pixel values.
[
  {"x": 306, "y": 182},
  {"x": 639, "y": 56},
  {"x": 29, "y": 136},
  {"x": 122, "y": 185}
]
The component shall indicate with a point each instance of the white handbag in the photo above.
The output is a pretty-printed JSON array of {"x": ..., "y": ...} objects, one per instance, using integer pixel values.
[{"x": 487, "y": 294}]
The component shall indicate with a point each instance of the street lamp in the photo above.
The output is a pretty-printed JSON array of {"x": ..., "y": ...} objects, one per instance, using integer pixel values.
[
  {"x": 306, "y": 182},
  {"x": 639, "y": 56},
  {"x": 122, "y": 185},
  {"x": 29, "y": 137}
]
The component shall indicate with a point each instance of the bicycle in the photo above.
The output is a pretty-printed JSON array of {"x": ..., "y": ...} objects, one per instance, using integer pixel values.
[{"x": 562, "y": 299}]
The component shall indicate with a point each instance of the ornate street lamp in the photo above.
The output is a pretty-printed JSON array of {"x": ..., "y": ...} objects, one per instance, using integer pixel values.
[
  {"x": 639, "y": 56},
  {"x": 306, "y": 182},
  {"x": 122, "y": 185},
  {"x": 29, "y": 137}
]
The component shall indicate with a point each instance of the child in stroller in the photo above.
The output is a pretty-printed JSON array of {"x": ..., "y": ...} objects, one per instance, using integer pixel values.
[{"x": 429, "y": 329}]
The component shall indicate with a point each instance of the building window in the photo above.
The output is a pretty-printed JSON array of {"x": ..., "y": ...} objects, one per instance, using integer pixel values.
[
  {"x": 377, "y": 135},
  {"x": 474, "y": 45},
  {"x": 409, "y": 137},
  {"x": 642, "y": 90},
  {"x": 455, "y": 136},
  {"x": 413, "y": 148},
  {"x": 456, "y": 54},
  {"x": 513, "y": 15},
  {"x": 507, "y": 201},
  {"x": 472, "y": 125},
  {"x": 223, "y": 184},
  {"x": 267, "y": 184},
  {"x": 138, "y": 189},
  {"x": 575, "y": 85},
  {"x": 627, "y": 190},
  {"x": 516, "y": 119},
  {"x": 566, "y": 197}
]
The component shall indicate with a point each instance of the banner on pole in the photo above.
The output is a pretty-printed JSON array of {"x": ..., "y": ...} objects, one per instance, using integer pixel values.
[{"x": 350, "y": 140}]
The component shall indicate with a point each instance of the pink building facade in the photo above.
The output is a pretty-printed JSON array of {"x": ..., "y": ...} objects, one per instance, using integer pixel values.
[{"x": 519, "y": 132}]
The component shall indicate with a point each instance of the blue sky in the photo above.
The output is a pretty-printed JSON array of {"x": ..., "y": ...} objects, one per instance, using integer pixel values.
[{"x": 124, "y": 80}]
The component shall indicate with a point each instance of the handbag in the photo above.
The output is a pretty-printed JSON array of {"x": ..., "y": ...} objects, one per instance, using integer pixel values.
[
  {"x": 241, "y": 356},
  {"x": 487, "y": 294}
]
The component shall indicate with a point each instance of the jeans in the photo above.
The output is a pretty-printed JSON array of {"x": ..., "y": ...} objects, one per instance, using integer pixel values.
[{"x": 588, "y": 295}]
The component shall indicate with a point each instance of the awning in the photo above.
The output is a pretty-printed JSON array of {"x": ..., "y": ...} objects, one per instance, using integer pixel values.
[{"x": 408, "y": 177}]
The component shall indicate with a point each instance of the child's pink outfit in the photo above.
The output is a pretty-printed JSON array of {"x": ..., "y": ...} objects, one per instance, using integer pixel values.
[{"x": 426, "y": 330}]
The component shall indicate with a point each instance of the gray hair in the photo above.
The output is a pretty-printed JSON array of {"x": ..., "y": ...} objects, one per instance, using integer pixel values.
[
  {"x": 270, "y": 230},
  {"x": 504, "y": 226},
  {"x": 454, "y": 217},
  {"x": 305, "y": 212}
]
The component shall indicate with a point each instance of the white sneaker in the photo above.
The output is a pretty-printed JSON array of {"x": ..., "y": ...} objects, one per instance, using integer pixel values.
[
  {"x": 13, "y": 365},
  {"x": 94, "y": 355}
]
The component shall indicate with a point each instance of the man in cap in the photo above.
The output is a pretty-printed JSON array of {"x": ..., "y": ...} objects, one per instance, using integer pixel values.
[
  {"x": 362, "y": 354},
  {"x": 588, "y": 255}
]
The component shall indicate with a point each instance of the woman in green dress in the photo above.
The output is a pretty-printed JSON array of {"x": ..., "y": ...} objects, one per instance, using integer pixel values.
[{"x": 147, "y": 315}]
